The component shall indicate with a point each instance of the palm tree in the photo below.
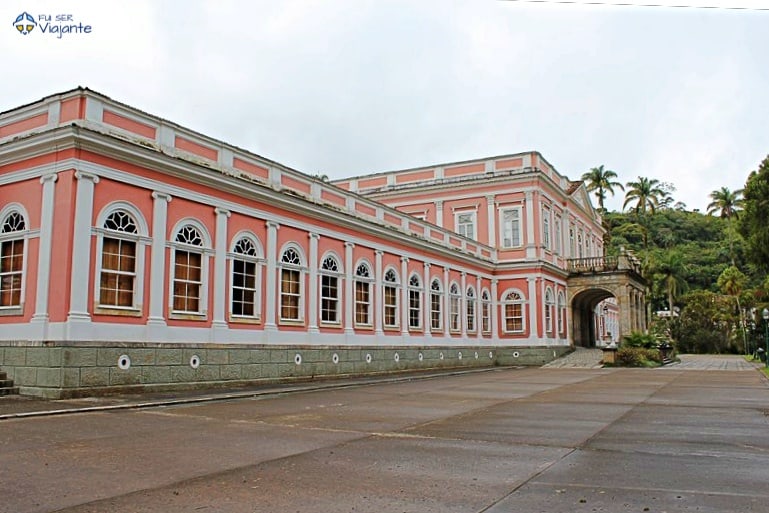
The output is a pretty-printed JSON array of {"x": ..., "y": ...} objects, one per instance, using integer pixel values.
[
  {"x": 601, "y": 180},
  {"x": 646, "y": 193},
  {"x": 728, "y": 204},
  {"x": 732, "y": 282},
  {"x": 671, "y": 268}
]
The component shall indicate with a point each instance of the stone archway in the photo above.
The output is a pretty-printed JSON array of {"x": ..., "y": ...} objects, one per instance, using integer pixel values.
[
  {"x": 583, "y": 315},
  {"x": 591, "y": 280}
]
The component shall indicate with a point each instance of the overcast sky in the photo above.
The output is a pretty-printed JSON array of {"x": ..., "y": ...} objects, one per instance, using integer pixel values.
[{"x": 346, "y": 88}]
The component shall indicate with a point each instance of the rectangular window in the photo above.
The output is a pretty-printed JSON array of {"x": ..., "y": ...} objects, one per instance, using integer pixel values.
[
  {"x": 243, "y": 288},
  {"x": 511, "y": 228},
  {"x": 329, "y": 302},
  {"x": 11, "y": 264},
  {"x": 546, "y": 228},
  {"x": 486, "y": 316},
  {"x": 390, "y": 306},
  {"x": 118, "y": 274},
  {"x": 470, "y": 315},
  {"x": 415, "y": 308},
  {"x": 557, "y": 235},
  {"x": 289, "y": 294},
  {"x": 187, "y": 281},
  {"x": 362, "y": 303},
  {"x": 466, "y": 224},
  {"x": 514, "y": 317},
  {"x": 435, "y": 311},
  {"x": 454, "y": 326},
  {"x": 572, "y": 243}
]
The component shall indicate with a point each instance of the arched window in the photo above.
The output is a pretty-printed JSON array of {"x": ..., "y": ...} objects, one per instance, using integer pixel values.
[
  {"x": 485, "y": 311},
  {"x": 189, "y": 277},
  {"x": 561, "y": 315},
  {"x": 363, "y": 281},
  {"x": 512, "y": 305},
  {"x": 415, "y": 302},
  {"x": 454, "y": 312},
  {"x": 12, "y": 245},
  {"x": 390, "y": 299},
  {"x": 245, "y": 291},
  {"x": 436, "y": 300},
  {"x": 291, "y": 285},
  {"x": 549, "y": 310},
  {"x": 329, "y": 290},
  {"x": 118, "y": 261},
  {"x": 470, "y": 309}
]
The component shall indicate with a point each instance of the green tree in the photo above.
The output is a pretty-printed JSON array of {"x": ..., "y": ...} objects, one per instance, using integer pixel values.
[
  {"x": 645, "y": 194},
  {"x": 753, "y": 222},
  {"x": 732, "y": 283},
  {"x": 728, "y": 205},
  {"x": 601, "y": 181},
  {"x": 671, "y": 270}
]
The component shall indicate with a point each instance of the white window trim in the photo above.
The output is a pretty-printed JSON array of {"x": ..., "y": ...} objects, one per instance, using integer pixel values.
[
  {"x": 503, "y": 302},
  {"x": 260, "y": 262},
  {"x": 396, "y": 285},
  {"x": 206, "y": 252},
  {"x": 549, "y": 312},
  {"x": 142, "y": 240},
  {"x": 279, "y": 282},
  {"x": 502, "y": 212},
  {"x": 547, "y": 228},
  {"x": 25, "y": 235},
  {"x": 488, "y": 303},
  {"x": 458, "y": 297},
  {"x": 368, "y": 280},
  {"x": 419, "y": 289},
  {"x": 474, "y": 222},
  {"x": 339, "y": 275},
  {"x": 474, "y": 302},
  {"x": 437, "y": 292}
]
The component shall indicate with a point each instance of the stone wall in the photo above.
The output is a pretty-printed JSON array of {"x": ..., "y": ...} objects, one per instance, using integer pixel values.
[{"x": 59, "y": 369}]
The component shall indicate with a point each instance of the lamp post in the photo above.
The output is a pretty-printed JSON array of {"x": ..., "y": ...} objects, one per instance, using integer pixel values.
[{"x": 765, "y": 315}]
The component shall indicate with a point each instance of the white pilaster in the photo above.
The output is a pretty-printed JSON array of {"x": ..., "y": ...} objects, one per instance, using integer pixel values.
[
  {"x": 533, "y": 308},
  {"x": 463, "y": 304},
  {"x": 158, "y": 266},
  {"x": 405, "y": 296},
  {"x": 531, "y": 248},
  {"x": 439, "y": 212},
  {"x": 220, "y": 268},
  {"x": 446, "y": 304},
  {"x": 494, "y": 309},
  {"x": 478, "y": 308},
  {"x": 46, "y": 244},
  {"x": 271, "y": 281},
  {"x": 426, "y": 301},
  {"x": 492, "y": 220},
  {"x": 81, "y": 247},
  {"x": 313, "y": 265},
  {"x": 349, "y": 293},
  {"x": 378, "y": 293}
]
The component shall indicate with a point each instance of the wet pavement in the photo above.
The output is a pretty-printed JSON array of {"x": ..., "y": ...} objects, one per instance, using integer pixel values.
[{"x": 503, "y": 440}]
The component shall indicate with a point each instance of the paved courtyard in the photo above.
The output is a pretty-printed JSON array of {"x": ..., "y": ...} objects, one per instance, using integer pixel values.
[{"x": 691, "y": 437}]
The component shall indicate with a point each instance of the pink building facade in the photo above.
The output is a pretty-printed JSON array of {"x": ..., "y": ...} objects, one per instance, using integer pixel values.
[{"x": 140, "y": 254}]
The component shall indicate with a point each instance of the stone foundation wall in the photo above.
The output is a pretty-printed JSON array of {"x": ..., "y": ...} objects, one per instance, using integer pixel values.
[{"x": 59, "y": 369}]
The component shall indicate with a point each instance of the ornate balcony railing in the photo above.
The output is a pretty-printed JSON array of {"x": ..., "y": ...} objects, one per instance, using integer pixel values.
[{"x": 625, "y": 261}]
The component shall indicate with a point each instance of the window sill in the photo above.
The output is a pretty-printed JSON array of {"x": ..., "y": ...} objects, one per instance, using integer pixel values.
[
  {"x": 291, "y": 322},
  {"x": 244, "y": 320},
  {"x": 330, "y": 324},
  {"x": 185, "y": 316},
  {"x": 120, "y": 312},
  {"x": 8, "y": 311}
]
